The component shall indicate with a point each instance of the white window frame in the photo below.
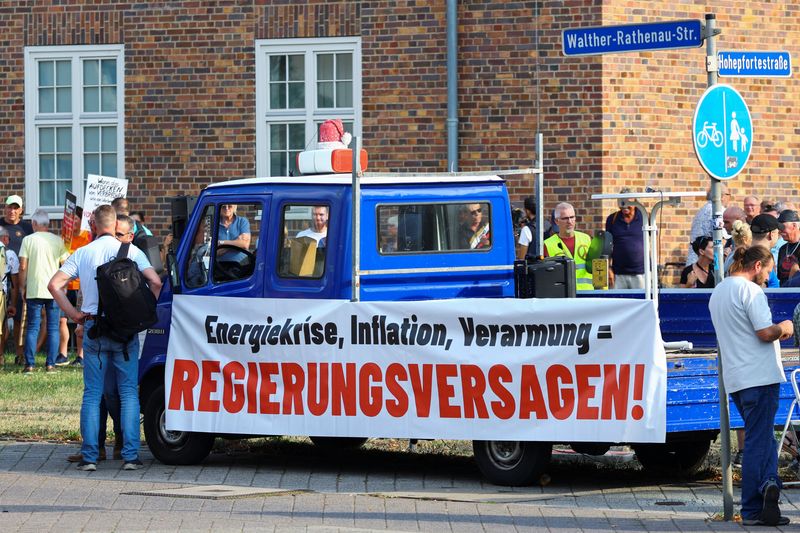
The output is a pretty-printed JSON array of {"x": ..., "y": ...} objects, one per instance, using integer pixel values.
[
  {"x": 76, "y": 119},
  {"x": 309, "y": 115}
]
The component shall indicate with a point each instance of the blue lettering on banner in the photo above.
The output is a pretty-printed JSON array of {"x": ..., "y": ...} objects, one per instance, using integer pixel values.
[
  {"x": 755, "y": 64},
  {"x": 632, "y": 37}
]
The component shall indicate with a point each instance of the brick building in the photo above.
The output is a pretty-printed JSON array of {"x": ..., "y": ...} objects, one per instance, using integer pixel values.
[{"x": 176, "y": 94}]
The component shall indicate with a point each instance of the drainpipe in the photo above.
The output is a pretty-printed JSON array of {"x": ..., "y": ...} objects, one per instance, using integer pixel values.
[{"x": 452, "y": 87}]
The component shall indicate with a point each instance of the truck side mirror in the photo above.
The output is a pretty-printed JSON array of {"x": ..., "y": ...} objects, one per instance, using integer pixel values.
[{"x": 172, "y": 268}]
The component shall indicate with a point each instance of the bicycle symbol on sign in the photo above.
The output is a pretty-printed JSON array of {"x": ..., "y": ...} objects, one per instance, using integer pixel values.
[{"x": 710, "y": 133}]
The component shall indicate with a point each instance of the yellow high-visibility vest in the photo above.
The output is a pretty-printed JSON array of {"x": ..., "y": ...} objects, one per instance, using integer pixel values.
[{"x": 555, "y": 247}]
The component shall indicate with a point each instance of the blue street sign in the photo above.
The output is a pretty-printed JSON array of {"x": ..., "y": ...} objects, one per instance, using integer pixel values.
[
  {"x": 722, "y": 131},
  {"x": 755, "y": 64},
  {"x": 632, "y": 37}
]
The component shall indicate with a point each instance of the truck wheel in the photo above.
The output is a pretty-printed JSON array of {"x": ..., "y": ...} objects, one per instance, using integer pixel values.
[
  {"x": 681, "y": 458},
  {"x": 512, "y": 463},
  {"x": 339, "y": 443},
  {"x": 172, "y": 447}
]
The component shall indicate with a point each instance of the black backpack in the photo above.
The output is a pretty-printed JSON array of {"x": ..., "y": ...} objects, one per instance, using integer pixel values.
[{"x": 126, "y": 304}]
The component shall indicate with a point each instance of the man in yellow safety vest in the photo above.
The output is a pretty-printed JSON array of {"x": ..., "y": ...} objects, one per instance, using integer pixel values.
[{"x": 570, "y": 243}]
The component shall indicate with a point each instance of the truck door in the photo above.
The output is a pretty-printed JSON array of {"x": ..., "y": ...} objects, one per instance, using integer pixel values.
[{"x": 225, "y": 248}]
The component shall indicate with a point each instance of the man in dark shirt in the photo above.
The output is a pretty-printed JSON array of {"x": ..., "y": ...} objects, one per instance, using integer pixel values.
[
  {"x": 627, "y": 257},
  {"x": 12, "y": 221},
  {"x": 789, "y": 253},
  {"x": 17, "y": 229}
]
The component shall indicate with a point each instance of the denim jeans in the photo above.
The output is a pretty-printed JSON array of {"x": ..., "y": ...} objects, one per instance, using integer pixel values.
[
  {"x": 758, "y": 406},
  {"x": 109, "y": 405},
  {"x": 34, "y": 311},
  {"x": 98, "y": 355}
]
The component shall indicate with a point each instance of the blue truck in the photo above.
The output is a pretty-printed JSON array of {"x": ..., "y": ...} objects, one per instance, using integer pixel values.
[{"x": 409, "y": 229}]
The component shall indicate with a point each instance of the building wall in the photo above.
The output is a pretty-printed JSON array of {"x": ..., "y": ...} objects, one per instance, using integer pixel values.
[{"x": 608, "y": 121}]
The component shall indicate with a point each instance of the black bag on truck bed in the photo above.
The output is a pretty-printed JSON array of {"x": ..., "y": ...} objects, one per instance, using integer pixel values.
[{"x": 126, "y": 304}]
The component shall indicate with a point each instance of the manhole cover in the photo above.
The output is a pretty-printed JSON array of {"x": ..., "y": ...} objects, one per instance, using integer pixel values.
[
  {"x": 670, "y": 502},
  {"x": 214, "y": 492}
]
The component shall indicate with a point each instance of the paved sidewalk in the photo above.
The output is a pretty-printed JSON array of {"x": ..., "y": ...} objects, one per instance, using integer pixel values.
[{"x": 41, "y": 491}]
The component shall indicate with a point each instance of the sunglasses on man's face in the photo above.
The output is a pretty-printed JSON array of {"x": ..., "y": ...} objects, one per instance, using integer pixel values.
[
  {"x": 476, "y": 211},
  {"x": 120, "y": 235}
]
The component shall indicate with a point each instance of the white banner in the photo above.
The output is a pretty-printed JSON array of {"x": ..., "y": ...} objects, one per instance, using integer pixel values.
[
  {"x": 481, "y": 369},
  {"x": 100, "y": 190}
]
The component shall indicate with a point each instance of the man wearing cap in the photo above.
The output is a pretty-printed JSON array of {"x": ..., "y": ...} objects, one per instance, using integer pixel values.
[
  {"x": 789, "y": 253},
  {"x": 17, "y": 230},
  {"x": 765, "y": 230},
  {"x": 627, "y": 256}
]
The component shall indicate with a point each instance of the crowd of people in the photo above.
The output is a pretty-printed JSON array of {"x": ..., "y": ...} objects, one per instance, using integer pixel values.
[{"x": 774, "y": 224}]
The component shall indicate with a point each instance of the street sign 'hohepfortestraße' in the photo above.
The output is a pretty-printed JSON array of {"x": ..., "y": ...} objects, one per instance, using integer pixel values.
[
  {"x": 632, "y": 37},
  {"x": 755, "y": 64}
]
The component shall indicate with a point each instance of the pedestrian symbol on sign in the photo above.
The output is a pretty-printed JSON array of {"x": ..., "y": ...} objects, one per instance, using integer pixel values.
[{"x": 722, "y": 132}]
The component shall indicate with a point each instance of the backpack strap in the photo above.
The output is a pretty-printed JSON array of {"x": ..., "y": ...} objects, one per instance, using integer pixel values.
[{"x": 123, "y": 250}]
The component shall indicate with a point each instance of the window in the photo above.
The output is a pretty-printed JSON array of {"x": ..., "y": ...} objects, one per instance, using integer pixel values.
[
  {"x": 434, "y": 227},
  {"x": 229, "y": 234},
  {"x": 74, "y": 120},
  {"x": 300, "y": 83},
  {"x": 305, "y": 241}
]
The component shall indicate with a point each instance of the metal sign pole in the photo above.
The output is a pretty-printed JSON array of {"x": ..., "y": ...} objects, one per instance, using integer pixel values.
[
  {"x": 716, "y": 202},
  {"x": 356, "y": 218}
]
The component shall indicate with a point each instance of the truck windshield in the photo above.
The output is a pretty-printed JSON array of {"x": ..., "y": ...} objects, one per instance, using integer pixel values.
[{"x": 442, "y": 227}]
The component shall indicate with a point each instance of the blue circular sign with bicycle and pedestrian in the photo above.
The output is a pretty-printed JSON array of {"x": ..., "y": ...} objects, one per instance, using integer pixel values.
[{"x": 722, "y": 131}]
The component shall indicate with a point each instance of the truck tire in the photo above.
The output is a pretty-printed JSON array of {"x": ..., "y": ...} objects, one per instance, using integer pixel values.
[
  {"x": 512, "y": 463},
  {"x": 339, "y": 443},
  {"x": 681, "y": 458},
  {"x": 172, "y": 447}
]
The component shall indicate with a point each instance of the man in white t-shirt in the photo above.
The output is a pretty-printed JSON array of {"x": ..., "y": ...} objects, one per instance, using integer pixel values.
[
  {"x": 319, "y": 232},
  {"x": 751, "y": 356}
]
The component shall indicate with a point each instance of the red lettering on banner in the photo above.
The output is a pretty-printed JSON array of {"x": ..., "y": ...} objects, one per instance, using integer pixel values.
[
  {"x": 504, "y": 408},
  {"x": 317, "y": 388},
  {"x": 586, "y": 391},
  {"x": 343, "y": 390},
  {"x": 293, "y": 384},
  {"x": 252, "y": 387},
  {"x": 268, "y": 388},
  {"x": 370, "y": 398},
  {"x": 473, "y": 386},
  {"x": 207, "y": 386},
  {"x": 446, "y": 391},
  {"x": 398, "y": 406},
  {"x": 615, "y": 391},
  {"x": 530, "y": 395},
  {"x": 637, "y": 412},
  {"x": 233, "y": 393},
  {"x": 185, "y": 376},
  {"x": 422, "y": 386},
  {"x": 561, "y": 399}
]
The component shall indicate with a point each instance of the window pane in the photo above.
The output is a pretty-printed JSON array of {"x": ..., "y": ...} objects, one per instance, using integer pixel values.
[
  {"x": 46, "y": 76},
  {"x": 91, "y": 99},
  {"x": 297, "y": 68},
  {"x": 47, "y": 192},
  {"x": 277, "y": 96},
  {"x": 305, "y": 230},
  {"x": 64, "y": 167},
  {"x": 64, "y": 100},
  {"x": 110, "y": 139},
  {"x": 297, "y": 136},
  {"x": 277, "y": 164},
  {"x": 109, "y": 72},
  {"x": 277, "y": 136},
  {"x": 47, "y": 167},
  {"x": 109, "y": 99},
  {"x": 297, "y": 95},
  {"x": 277, "y": 68},
  {"x": 344, "y": 66},
  {"x": 47, "y": 141},
  {"x": 325, "y": 67},
  {"x": 344, "y": 94},
  {"x": 64, "y": 140},
  {"x": 109, "y": 165},
  {"x": 434, "y": 227},
  {"x": 91, "y": 76},
  {"x": 325, "y": 94},
  {"x": 91, "y": 139},
  {"x": 61, "y": 190},
  {"x": 199, "y": 258},
  {"x": 293, "y": 168},
  {"x": 91, "y": 164},
  {"x": 46, "y": 101},
  {"x": 64, "y": 73}
]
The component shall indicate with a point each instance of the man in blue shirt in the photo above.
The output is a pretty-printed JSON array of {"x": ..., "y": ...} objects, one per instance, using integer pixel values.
[{"x": 627, "y": 257}]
